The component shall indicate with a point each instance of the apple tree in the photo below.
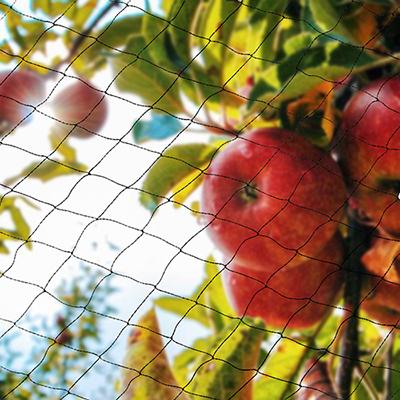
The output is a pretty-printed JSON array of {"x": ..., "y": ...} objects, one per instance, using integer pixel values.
[{"x": 280, "y": 121}]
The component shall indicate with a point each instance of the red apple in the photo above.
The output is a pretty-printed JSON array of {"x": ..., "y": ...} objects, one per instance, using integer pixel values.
[
  {"x": 271, "y": 195},
  {"x": 381, "y": 302},
  {"x": 20, "y": 92},
  {"x": 295, "y": 296},
  {"x": 83, "y": 105},
  {"x": 369, "y": 143}
]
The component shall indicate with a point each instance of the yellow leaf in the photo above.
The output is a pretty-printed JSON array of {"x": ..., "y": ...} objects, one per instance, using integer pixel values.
[{"x": 187, "y": 186}]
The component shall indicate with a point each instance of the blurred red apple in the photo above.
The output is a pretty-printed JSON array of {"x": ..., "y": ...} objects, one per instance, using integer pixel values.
[
  {"x": 271, "y": 195},
  {"x": 20, "y": 92},
  {"x": 83, "y": 105},
  {"x": 369, "y": 143},
  {"x": 295, "y": 296}
]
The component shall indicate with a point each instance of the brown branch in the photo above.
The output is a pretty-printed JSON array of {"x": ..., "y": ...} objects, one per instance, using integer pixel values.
[
  {"x": 357, "y": 241},
  {"x": 84, "y": 35}
]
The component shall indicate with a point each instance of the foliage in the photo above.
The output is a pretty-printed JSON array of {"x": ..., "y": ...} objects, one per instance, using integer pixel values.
[
  {"x": 224, "y": 66},
  {"x": 62, "y": 346}
]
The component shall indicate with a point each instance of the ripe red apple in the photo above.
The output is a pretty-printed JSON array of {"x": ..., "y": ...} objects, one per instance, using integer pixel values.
[
  {"x": 20, "y": 92},
  {"x": 270, "y": 195},
  {"x": 296, "y": 296},
  {"x": 382, "y": 302},
  {"x": 369, "y": 143},
  {"x": 81, "y": 104}
]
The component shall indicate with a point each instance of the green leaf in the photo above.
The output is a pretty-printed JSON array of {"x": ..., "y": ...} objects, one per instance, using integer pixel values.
[
  {"x": 62, "y": 147},
  {"x": 80, "y": 13},
  {"x": 21, "y": 229},
  {"x": 172, "y": 166},
  {"x": 181, "y": 307},
  {"x": 298, "y": 42},
  {"x": 186, "y": 362},
  {"x": 52, "y": 8},
  {"x": 143, "y": 77},
  {"x": 47, "y": 170},
  {"x": 305, "y": 69},
  {"x": 274, "y": 11},
  {"x": 278, "y": 369},
  {"x": 330, "y": 20},
  {"x": 183, "y": 16},
  {"x": 111, "y": 40},
  {"x": 155, "y": 31},
  {"x": 210, "y": 296},
  {"x": 212, "y": 293},
  {"x": 230, "y": 368},
  {"x": 147, "y": 372}
]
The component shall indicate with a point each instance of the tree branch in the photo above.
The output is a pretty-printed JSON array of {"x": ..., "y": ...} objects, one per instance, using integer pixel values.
[
  {"x": 357, "y": 244},
  {"x": 86, "y": 32}
]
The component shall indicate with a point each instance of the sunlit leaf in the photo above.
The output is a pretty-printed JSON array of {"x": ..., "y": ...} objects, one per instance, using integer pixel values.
[
  {"x": 184, "y": 308},
  {"x": 48, "y": 170},
  {"x": 230, "y": 368},
  {"x": 144, "y": 78},
  {"x": 186, "y": 187},
  {"x": 111, "y": 40},
  {"x": 279, "y": 368},
  {"x": 21, "y": 229},
  {"x": 213, "y": 292},
  {"x": 174, "y": 164},
  {"x": 184, "y": 16},
  {"x": 147, "y": 372},
  {"x": 52, "y": 8},
  {"x": 186, "y": 362},
  {"x": 298, "y": 43},
  {"x": 305, "y": 69},
  {"x": 329, "y": 20}
]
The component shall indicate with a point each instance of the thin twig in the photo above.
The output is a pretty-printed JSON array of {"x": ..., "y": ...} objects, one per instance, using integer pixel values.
[
  {"x": 309, "y": 346},
  {"x": 388, "y": 364},
  {"x": 84, "y": 35},
  {"x": 366, "y": 382}
]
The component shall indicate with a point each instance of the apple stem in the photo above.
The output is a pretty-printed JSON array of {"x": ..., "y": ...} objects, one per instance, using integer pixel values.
[
  {"x": 358, "y": 239},
  {"x": 250, "y": 193}
]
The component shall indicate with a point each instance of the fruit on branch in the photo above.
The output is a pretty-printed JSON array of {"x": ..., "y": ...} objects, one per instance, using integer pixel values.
[
  {"x": 294, "y": 296},
  {"x": 83, "y": 105},
  {"x": 369, "y": 143},
  {"x": 271, "y": 195},
  {"x": 380, "y": 301},
  {"x": 20, "y": 92}
]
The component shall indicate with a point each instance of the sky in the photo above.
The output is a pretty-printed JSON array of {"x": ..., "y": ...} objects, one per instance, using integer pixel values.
[{"x": 109, "y": 244}]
